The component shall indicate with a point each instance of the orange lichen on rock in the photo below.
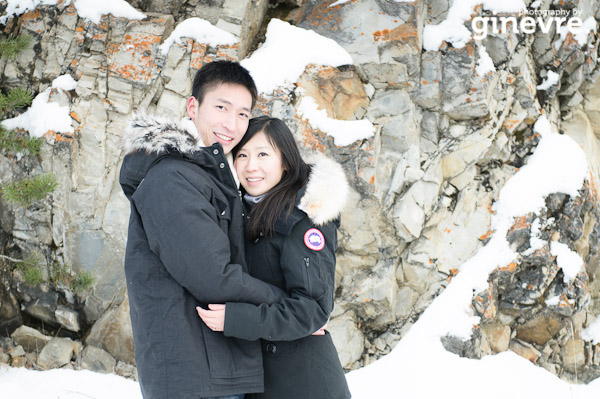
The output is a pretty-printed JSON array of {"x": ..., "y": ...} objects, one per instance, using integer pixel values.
[
  {"x": 485, "y": 236},
  {"x": 511, "y": 267},
  {"x": 59, "y": 137},
  {"x": 520, "y": 223},
  {"x": 198, "y": 53},
  {"x": 142, "y": 65},
  {"x": 453, "y": 273},
  {"x": 75, "y": 116},
  {"x": 310, "y": 136},
  {"x": 33, "y": 14},
  {"x": 404, "y": 33}
]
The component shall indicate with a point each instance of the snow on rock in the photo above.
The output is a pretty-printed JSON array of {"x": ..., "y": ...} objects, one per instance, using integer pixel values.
[
  {"x": 201, "y": 31},
  {"x": 44, "y": 115},
  {"x": 286, "y": 52},
  {"x": 93, "y": 10},
  {"x": 343, "y": 132}
]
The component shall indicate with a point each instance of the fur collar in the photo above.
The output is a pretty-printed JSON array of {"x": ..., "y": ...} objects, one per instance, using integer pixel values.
[
  {"x": 326, "y": 191},
  {"x": 155, "y": 134}
]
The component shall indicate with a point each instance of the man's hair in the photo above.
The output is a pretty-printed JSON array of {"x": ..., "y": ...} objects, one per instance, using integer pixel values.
[
  {"x": 217, "y": 73},
  {"x": 281, "y": 199}
]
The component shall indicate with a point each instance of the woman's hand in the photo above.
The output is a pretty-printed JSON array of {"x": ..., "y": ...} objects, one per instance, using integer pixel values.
[
  {"x": 214, "y": 317},
  {"x": 320, "y": 331}
]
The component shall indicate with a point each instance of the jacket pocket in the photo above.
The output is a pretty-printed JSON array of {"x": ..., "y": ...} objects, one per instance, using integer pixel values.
[
  {"x": 231, "y": 357},
  {"x": 318, "y": 283}
]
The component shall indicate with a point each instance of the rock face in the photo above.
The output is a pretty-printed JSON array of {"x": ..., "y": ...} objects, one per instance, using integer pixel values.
[{"x": 447, "y": 138}]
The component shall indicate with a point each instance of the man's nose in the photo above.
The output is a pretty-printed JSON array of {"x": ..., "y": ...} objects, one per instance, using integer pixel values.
[{"x": 229, "y": 121}]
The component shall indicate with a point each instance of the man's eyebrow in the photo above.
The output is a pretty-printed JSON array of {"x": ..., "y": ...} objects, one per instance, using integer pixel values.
[{"x": 224, "y": 101}]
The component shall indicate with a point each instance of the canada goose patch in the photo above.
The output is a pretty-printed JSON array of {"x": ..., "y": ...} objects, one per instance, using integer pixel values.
[{"x": 314, "y": 239}]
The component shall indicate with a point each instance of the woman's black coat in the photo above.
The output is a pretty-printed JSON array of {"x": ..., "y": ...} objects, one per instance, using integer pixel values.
[{"x": 300, "y": 259}]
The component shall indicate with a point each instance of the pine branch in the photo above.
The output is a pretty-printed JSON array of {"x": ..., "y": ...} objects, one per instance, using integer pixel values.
[
  {"x": 17, "y": 143},
  {"x": 29, "y": 190},
  {"x": 11, "y": 47},
  {"x": 16, "y": 98}
]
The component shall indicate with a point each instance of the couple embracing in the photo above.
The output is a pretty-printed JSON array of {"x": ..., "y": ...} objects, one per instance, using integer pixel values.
[{"x": 230, "y": 258}]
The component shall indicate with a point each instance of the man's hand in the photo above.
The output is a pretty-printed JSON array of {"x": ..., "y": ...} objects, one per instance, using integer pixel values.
[{"x": 214, "y": 317}]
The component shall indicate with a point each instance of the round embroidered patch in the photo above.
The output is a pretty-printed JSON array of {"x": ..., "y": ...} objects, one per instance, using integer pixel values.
[{"x": 314, "y": 239}]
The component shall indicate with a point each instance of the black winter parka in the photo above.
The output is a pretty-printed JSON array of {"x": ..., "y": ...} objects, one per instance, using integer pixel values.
[
  {"x": 300, "y": 259},
  {"x": 185, "y": 248}
]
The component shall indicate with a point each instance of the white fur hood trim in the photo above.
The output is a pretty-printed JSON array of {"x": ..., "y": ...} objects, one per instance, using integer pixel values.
[
  {"x": 326, "y": 191},
  {"x": 154, "y": 134}
]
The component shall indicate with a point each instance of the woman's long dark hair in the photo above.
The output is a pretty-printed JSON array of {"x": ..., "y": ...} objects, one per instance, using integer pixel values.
[{"x": 281, "y": 198}]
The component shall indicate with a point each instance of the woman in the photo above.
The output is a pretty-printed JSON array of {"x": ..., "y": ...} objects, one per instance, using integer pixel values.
[{"x": 291, "y": 239}]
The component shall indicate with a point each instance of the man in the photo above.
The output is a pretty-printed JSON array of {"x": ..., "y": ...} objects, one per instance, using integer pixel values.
[{"x": 185, "y": 242}]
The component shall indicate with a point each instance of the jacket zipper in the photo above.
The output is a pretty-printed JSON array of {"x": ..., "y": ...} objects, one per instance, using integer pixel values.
[{"x": 307, "y": 274}]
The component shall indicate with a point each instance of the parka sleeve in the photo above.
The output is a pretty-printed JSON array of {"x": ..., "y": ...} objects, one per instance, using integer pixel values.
[
  {"x": 183, "y": 231},
  {"x": 309, "y": 276}
]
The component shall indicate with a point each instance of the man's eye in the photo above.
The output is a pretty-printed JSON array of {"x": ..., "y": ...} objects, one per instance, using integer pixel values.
[
  {"x": 246, "y": 116},
  {"x": 220, "y": 106}
]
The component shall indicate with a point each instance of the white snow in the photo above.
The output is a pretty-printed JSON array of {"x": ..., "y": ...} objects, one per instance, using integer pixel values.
[
  {"x": 89, "y": 9},
  {"x": 484, "y": 62},
  {"x": 569, "y": 261},
  {"x": 201, "y": 31},
  {"x": 552, "y": 78},
  {"x": 535, "y": 242},
  {"x": 94, "y": 9},
  {"x": 14, "y": 8},
  {"x": 453, "y": 30},
  {"x": 592, "y": 333},
  {"x": 286, "y": 52},
  {"x": 20, "y": 383},
  {"x": 419, "y": 366},
  {"x": 64, "y": 82},
  {"x": 580, "y": 34},
  {"x": 338, "y": 3},
  {"x": 43, "y": 115},
  {"x": 343, "y": 132}
]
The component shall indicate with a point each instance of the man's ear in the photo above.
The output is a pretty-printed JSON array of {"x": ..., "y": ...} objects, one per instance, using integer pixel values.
[{"x": 191, "y": 107}]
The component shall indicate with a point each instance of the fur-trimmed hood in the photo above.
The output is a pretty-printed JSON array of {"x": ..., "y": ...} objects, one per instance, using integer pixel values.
[
  {"x": 151, "y": 138},
  {"x": 155, "y": 134},
  {"x": 326, "y": 192}
]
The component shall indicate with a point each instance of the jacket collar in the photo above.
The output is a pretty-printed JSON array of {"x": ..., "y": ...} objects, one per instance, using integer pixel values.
[
  {"x": 160, "y": 135},
  {"x": 155, "y": 134}
]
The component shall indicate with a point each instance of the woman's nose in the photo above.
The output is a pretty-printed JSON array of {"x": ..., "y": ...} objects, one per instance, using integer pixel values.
[{"x": 251, "y": 165}]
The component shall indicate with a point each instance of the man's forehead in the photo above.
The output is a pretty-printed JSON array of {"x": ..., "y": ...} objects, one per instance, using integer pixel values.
[{"x": 227, "y": 90}]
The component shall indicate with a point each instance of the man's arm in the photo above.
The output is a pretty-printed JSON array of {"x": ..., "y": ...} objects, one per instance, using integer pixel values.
[
  {"x": 183, "y": 231},
  {"x": 309, "y": 277}
]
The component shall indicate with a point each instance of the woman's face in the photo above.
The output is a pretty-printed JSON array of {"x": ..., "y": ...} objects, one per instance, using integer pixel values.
[{"x": 258, "y": 165}]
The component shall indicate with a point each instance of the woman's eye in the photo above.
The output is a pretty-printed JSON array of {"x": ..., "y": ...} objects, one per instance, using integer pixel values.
[
  {"x": 241, "y": 156},
  {"x": 263, "y": 154},
  {"x": 220, "y": 107}
]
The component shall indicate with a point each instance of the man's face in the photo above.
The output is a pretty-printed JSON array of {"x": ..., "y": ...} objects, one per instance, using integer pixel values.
[{"x": 223, "y": 115}]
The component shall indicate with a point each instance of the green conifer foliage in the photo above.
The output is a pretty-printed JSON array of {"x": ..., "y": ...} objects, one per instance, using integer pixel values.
[
  {"x": 29, "y": 190},
  {"x": 11, "y": 47}
]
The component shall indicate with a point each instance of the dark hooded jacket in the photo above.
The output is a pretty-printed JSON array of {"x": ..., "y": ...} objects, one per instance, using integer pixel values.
[
  {"x": 185, "y": 248},
  {"x": 299, "y": 257}
]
